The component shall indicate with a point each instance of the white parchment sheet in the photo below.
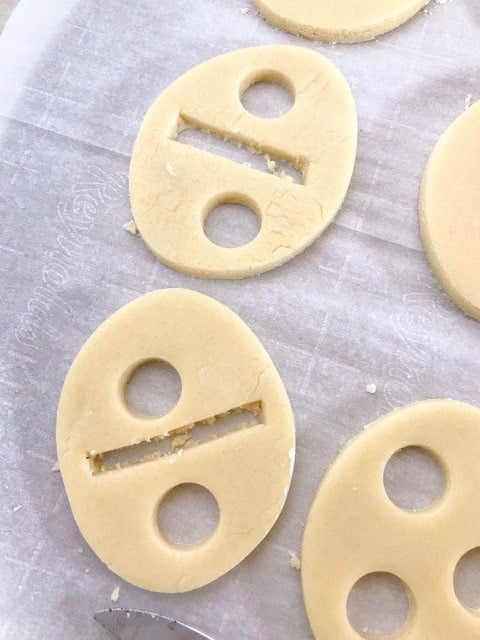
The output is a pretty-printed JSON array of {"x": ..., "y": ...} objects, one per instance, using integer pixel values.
[{"x": 359, "y": 306}]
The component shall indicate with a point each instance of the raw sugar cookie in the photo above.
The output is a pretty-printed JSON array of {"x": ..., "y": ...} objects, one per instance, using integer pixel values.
[
  {"x": 174, "y": 186},
  {"x": 354, "y": 529},
  {"x": 450, "y": 211},
  {"x": 118, "y": 465},
  {"x": 339, "y": 20}
]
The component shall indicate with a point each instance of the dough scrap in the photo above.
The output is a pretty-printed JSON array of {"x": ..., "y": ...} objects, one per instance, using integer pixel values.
[
  {"x": 450, "y": 211},
  {"x": 318, "y": 136},
  {"x": 339, "y": 20},
  {"x": 222, "y": 367},
  {"x": 353, "y": 528}
]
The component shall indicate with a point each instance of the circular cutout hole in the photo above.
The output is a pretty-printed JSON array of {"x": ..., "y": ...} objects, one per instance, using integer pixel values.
[
  {"x": 188, "y": 514},
  {"x": 413, "y": 479},
  {"x": 378, "y": 605},
  {"x": 153, "y": 388},
  {"x": 231, "y": 225},
  {"x": 267, "y": 98},
  {"x": 466, "y": 579}
]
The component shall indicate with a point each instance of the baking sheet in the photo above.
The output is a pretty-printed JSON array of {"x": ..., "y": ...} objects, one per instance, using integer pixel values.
[{"x": 360, "y": 306}]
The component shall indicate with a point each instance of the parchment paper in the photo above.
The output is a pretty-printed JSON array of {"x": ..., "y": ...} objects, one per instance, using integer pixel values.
[{"x": 360, "y": 306}]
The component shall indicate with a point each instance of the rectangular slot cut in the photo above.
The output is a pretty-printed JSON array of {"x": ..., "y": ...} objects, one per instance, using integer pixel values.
[
  {"x": 241, "y": 151},
  {"x": 176, "y": 441}
]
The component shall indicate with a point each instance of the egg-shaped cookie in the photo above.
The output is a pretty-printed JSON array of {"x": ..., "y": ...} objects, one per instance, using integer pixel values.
[
  {"x": 175, "y": 186},
  {"x": 224, "y": 371}
]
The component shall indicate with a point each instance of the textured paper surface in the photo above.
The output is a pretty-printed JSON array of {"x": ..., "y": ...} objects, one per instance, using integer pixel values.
[{"x": 360, "y": 306}]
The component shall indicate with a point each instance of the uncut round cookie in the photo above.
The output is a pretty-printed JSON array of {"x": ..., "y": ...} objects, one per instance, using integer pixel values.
[
  {"x": 354, "y": 530},
  {"x": 118, "y": 465},
  {"x": 450, "y": 211},
  {"x": 339, "y": 20},
  {"x": 175, "y": 186}
]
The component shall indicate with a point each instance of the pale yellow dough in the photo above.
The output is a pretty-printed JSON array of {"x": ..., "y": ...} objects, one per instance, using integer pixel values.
[
  {"x": 353, "y": 528},
  {"x": 174, "y": 186},
  {"x": 339, "y": 20},
  {"x": 222, "y": 366},
  {"x": 450, "y": 211}
]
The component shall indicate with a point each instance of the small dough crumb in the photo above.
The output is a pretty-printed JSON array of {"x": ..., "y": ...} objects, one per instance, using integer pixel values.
[
  {"x": 295, "y": 561},
  {"x": 131, "y": 227},
  {"x": 371, "y": 388},
  {"x": 286, "y": 176},
  {"x": 115, "y": 594},
  {"x": 244, "y": 10},
  {"x": 17, "y": 508},
  {"x": 171, "y": 170},
  {"x": 56, "y": 466},
  {"x": 468, "y": 101},
  {"x": 79, "y": 549},
  {"x": 271, "y": 164},
  {"x": 179, "y": 441}
]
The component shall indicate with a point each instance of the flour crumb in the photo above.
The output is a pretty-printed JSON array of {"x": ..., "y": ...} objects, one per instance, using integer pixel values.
[
  {"x": 295, "y": 561},
  {"x": 17, "y": 508},
  {"x": 371, "y": 388},
  {"x": 427, "y": 10},
  {"x": 271, "y": 164},
  {"x": 286, "y": 176},
  {"x": 244, "y": 10},
  {"x": 115, "y": 594},
  {"x": 468, "y": 101},
  {"x": 131, "y": 227},
  {"x": 171, "y": 170},
  {"x": 56, "y": 467},
  {"x": 179, "y": 441},
  {"x": 79, "y": 549}
]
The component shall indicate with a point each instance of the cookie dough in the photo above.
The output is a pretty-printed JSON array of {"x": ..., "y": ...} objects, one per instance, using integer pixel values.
[
  {"x": 450, "y": 211},
  {"x": 222, "y": 367},
  {"x": 353, "y": 528},
  {"x": 339, "y": 20},
  {"x": 174, "y": 186}
]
